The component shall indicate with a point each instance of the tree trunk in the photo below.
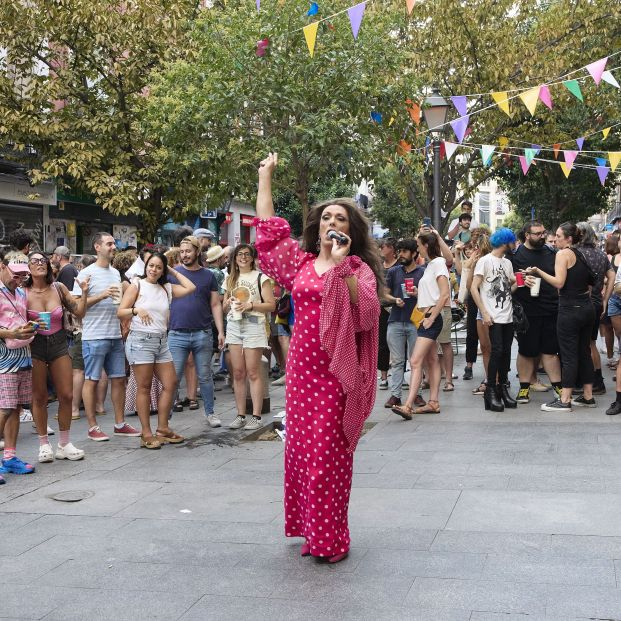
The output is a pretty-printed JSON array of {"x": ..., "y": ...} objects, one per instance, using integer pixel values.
[{"x": 152, "y": 219}]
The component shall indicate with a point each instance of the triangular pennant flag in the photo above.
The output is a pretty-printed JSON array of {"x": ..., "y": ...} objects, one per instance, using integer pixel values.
[
  {"x": 602, "y": 173},
  {"x": 536, "y": 148},
  {"x": 529, "y": 155},
  {"x": 605, "y": 132},
  {"x": 403, "y": 147},
  {"x": 580, "y": 142},
  {"x": 608, "y": 77},
  {"x": 461, "y": 104},
  {"x": 596, "y": 69},
  {"x": 376, "y": 116},
  {"x": 410, "y": 5},
  {"x": 460, "y": 126},
  {"x": 601, "y": 161},
  {"x": 500, "y": 97},
  {"x": 355, "y": 17},
  {"x": 258, "y": 5},
  {"x": 566, "y": 169},
  {"x": 614, "y": 157},
  {"x": 525, "y": 164},
  {"x": 570, "y": 157},
  {"x": 442, "y": 150},
  {"x": 530, "y": 98},
  {"x": 556, "y": 147},
  {"x": 574, "y": 88},
  {"x": 314, "y": 9},
  {"x": 544, "y": 95},
  {"x": 503, "y": 141},
  {"x": 487, "y": 151},
  {"x": 413, "y": 110},
  {"x": 310, "y": 34},
  {"x": 450, "y": 148}
]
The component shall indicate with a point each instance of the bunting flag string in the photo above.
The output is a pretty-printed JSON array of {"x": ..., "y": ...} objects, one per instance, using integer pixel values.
[
  {"x": 356, "y": 13},
  {"x": 530, "y": 99},
  {"x": 608, "y": 77},
  {"x": 573, "y": 87},
  {"x": 410, "y": 5},
  {"x": 310, "y": 34}
]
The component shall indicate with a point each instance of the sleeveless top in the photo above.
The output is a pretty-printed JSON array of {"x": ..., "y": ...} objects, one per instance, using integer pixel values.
[
  {"x": 578, "y": 280},
  {"x": 155, "y": 299},
  {"x": 56, "y": 319}
]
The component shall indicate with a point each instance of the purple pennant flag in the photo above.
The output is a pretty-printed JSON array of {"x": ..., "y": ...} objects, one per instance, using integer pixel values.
[
  {"x": 580, "y": 142},
  {"x": 460, "y": 126},
  {"x": 258, "y": 5},
  {"x": 355, "y": 14},
  {"x": 461, "y": 104},
  {"x": 602, "y": 173},
  {"x": 537, "y": 148}
]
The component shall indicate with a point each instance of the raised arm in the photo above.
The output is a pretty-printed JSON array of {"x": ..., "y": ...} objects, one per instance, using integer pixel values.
[
  {"x": 185, "y": 286},
  {"x": 265, "y": 206}
]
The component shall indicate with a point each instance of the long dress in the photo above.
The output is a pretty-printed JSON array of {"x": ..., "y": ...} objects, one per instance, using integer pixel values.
[{"x": 319, "y": 445}]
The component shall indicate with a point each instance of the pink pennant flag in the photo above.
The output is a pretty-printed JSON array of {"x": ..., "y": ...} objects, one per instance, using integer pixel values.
[
  {"x": 460, "y": 126},
  {"x": 356, "y": 14},
  {"x": 596, "y": 69},
  {"x": 544, "y": 95},
  {"x": 461, "y": 104},
  {"x": 570, "y": 157},
  {"x": 450, "y": 148},
  {"x": 524, "y": 163},
  {"x": 580, "y": 142},
  {"x": 602, "y": 173}
]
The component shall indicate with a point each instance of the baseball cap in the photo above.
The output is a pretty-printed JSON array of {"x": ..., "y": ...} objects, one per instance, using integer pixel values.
[
  {"x": 18, "y": 263},
  {"x": 203, "y": 233},
  {"x": 62, "y": 251},
  {"x": 191, "y": 239}
]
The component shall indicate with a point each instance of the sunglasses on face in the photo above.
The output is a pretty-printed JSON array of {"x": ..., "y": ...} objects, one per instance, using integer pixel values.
[{"x": 38, "y": 261}]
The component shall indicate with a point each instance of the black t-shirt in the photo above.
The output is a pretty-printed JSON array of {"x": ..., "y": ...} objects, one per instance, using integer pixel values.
[
  {"x": 67, "y": 276},
  {"x": 543, "y": 258}
]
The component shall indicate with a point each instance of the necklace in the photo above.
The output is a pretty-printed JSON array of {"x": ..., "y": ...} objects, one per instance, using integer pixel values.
[{"x": 40, "y": 290}]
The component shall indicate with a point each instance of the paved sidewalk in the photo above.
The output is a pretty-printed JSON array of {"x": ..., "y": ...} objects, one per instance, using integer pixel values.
[{"x": 465, "y": 515}]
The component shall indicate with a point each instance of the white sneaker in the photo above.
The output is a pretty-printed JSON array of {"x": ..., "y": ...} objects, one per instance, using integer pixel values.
[
  {"x": 238, "y": 423},
  {"x": 69, "y": 452},
  {"x": 46, "y": 454},
  {"x": 214, "y": 421},
  {"x": 25, "y": 416},
  {"x": 253, "y": 424}
]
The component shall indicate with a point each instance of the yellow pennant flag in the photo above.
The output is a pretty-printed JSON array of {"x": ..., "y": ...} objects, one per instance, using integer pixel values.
[
  {"x": 503, "y": 141},
  {"x": 605, "y": 132},
  {"x": 500, "y": 97},
  {"x": 566, "y": 169},
  {"x": 530, "y": 98},
  {"x": 310, "y": 34},
  {"x": 614, "y": 157}
]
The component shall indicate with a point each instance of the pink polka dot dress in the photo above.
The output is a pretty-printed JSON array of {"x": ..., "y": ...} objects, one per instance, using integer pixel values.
[{"x": 321, "y": 435}]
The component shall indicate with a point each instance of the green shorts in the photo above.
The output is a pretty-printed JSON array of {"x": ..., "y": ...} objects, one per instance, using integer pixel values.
[{"x": 75, "y": 351}]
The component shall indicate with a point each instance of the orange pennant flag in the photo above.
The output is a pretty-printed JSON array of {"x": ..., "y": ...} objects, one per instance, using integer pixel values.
[
  {"x": 414, "y": 110},
  {"x": 310, "y": 34},
  {"x": 403, "y": 147},
  {"x": 566, "y": 169},
  {"x": 557, "y": 147},
  {"x": 614, "y": 157},
  {"x": 501, "y": 100},
  {"x": 410, "y": 4}
]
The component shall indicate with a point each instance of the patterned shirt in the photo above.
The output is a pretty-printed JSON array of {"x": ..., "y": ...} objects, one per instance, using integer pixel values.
[{"x": 13, "y": 314}]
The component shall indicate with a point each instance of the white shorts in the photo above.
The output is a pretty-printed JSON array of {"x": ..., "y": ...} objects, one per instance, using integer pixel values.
[{"x": 248, "y": 333}]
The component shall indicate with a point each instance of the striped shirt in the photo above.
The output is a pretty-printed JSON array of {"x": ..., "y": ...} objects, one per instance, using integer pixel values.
[{"x": 13, "y": 314}]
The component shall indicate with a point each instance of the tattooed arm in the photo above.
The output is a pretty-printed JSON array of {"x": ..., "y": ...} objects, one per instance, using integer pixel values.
[{"x": 77, "y": 306}]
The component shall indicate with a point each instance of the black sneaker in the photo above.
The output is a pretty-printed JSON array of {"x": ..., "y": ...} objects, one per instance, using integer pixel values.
[
  {"x": 556, "y": 406},
  {"x": 577, "y": 390},
  {"x": 467, "y": 373},
  {"x": 599, "y": 389},
  {"x": 614, "y": 409},
  {"x": 582, "y": 402}
]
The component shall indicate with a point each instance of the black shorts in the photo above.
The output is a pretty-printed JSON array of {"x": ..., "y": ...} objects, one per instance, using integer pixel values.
[
  {"x": 49, "y": 348},
  {"x": 540, "y": 338},
  {"x": 598, "y": 313},
  {"x": 433, "y": 332}
]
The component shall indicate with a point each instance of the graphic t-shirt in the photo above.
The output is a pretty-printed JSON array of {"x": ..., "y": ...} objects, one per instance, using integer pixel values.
[
  {"x": 250, "y": 280},
  {"x": 495, "y": 288},
  {"x": 13, "y": 315}
]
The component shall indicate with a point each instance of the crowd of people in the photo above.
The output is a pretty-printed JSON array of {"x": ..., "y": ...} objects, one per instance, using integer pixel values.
[{"x": 341, "y": 314}]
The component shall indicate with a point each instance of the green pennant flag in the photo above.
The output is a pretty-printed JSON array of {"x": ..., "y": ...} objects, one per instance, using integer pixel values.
[
  {"x": 529, "y": 154},
  {"x": 574, "y": 88}
]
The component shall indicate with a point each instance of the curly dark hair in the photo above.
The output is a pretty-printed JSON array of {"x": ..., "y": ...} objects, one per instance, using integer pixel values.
[
  {"x": 49, "y": 275},
  {"x": 362, "y": 244}
]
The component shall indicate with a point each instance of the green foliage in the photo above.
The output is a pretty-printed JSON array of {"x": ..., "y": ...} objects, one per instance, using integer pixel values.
[{"x": 515, "y": 221}]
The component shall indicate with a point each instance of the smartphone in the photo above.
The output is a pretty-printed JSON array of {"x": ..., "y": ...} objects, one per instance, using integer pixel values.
[{"x": 427, "y": 222}]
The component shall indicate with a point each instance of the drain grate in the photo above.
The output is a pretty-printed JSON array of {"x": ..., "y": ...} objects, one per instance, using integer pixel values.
[{"x": 72, "y": 495}]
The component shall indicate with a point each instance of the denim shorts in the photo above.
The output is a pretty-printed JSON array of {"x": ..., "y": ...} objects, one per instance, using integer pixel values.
[
  {"x": 282, "y": 330},
  {"x": 247, "y": 333},
  {"x": 48, "y": 348},
  {"x": 614, "y": 306},
  {"x": 103, "y": 354},
  {"x": 433, "y": 331},
  {"x": 147, "y": 348}
]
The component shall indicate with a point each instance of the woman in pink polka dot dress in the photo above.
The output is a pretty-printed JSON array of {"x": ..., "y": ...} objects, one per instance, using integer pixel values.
[{"x": 331, "y": 376}]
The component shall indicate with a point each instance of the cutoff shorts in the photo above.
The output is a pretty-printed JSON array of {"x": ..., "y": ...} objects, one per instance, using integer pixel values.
[
  {"x": 433, "y": 331},
  {"x": 49, "y": 348},
  {"x": 15, "y": 389},
  {"x": 614, "y": 306},
  {"x": 100, "y": 354},
  {"x": 447, "y": 324},
  {"x": 247, "y": 333},
  {"x": 75, "y": 351},
  {"x": 147, "y": 348}
]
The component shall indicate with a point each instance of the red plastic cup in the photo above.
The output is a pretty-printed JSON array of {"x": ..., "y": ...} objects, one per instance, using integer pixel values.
[
  {"x": 519, "y": 279},
  {"x": 409, "y": 285}
]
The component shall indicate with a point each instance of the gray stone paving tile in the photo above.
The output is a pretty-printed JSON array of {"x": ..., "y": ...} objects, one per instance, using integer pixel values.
[
  {"x": 26, "y": 567},
  {"x": 21, "y": 601},
  {"x": 386, "y": 480},
  {"x": 391, "y": 538},
  {"x": 481, "y": 595},
  {"x": 583, "y": 601},
  {"x": 550, "y": 570},
  {"x": 419, "y": 463},
  {"x": 491, "y": 543},
  {"x": 586, "y": 546},
  {"x": 11, "y": 521},
  {"x": 421, "y": 563},
  {"x": 402, "y": 508},
  {"x": 592, "y": 484},
  {"x": 353, "y": 611},
  {"x": 537, "y": 512},
  {"x": 12, "y": 545},
  {"x": 502, "y": 616},
  {"x": 435, "y": 481},
  {"x": 81, "y": 525}
]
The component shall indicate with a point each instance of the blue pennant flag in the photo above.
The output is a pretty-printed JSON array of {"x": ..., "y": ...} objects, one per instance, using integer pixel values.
[{"x": 314, "y": 9}]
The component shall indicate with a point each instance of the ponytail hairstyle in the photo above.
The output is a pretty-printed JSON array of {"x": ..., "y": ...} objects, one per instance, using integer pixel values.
[
  {"x": 569, "y": 229},
  {"x": 433, "y": 245}
]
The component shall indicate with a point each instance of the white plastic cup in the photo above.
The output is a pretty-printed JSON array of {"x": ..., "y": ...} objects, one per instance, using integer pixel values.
[
  {"x": 117, "y": 295},
  {"x": 534, "y": 290}
]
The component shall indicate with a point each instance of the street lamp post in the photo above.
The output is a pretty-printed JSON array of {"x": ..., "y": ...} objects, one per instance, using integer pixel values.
[{"x": 435, "y": 111}]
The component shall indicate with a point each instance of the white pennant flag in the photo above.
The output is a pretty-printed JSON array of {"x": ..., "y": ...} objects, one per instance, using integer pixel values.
[
  {"x": 608, "y": 77},
  {"x": 450, "y": 148}
]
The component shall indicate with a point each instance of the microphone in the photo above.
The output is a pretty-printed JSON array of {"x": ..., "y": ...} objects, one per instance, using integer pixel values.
[{"x": 341, "y": 240}]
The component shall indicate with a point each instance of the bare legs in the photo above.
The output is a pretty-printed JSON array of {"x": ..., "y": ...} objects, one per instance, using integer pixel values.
[{"x": 247, "y": 363}]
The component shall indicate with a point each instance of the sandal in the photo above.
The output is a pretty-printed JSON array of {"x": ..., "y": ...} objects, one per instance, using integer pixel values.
[
  {"x": 169, "y": 437},
  {"x": 405, "y": 411},
  {"x": 446, "y": 387},
  {"x": 150, "y": 443},
  {"x": 193, "y": 404},
  {"x": 429, "y": 408},
  {"x": 481, "y": 389},
  {"x": 424, "y": 385}
]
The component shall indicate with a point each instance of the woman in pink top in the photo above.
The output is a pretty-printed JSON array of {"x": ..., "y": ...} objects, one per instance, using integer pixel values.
[
  {"x": 46, "y": 301},
  {"x": 331, "y": 375}
]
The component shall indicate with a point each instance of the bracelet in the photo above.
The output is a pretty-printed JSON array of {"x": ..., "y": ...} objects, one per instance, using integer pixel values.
[{"x": 134, "y": 311}]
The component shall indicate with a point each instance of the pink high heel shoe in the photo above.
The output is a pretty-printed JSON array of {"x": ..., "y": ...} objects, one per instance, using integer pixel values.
[
  {"x": 337, "y": 557},
  {"x": 305, "y": 549}
]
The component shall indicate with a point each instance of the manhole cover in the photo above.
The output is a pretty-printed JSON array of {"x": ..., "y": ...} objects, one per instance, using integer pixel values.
[{"x": 71, "y": 496}]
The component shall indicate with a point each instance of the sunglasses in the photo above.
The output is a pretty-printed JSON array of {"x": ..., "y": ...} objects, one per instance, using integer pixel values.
[{"x": 38, "y": 261}]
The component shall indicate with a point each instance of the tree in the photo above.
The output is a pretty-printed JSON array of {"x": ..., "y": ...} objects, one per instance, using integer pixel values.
[
  {"x": 225, "y": 106},
  {"x": 73, "y": 88}
]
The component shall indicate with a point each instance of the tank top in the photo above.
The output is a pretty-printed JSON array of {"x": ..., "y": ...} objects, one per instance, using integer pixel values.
[
  {"x": 56, "y": 315},
  {"x": 578, "y": 280},
  {"x": 155, "y": 299}
]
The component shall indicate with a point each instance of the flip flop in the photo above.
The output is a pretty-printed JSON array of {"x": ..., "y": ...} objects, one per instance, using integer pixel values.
[
  {"x": 446, "y": 387},
  {"x": 428, "y": 409}
]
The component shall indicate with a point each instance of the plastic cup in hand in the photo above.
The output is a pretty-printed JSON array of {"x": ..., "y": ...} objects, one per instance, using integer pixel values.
[
  {"x": 519, "y": 279},
  {"x": 46, "y": 318},
  {"x": 409, "y": 286},
  {"x": 117, "y": 295},
  {"x": 534, "y": 290},
  {"x": 240, "y": 294}
]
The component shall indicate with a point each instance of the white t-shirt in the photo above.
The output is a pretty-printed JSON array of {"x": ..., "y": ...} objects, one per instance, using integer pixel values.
[
  {"x": 495, "y": 289},
  {"x": 155, "y": 299},
  {"x": 100, "y": 321},
  {"x": 428, "y": 290}
]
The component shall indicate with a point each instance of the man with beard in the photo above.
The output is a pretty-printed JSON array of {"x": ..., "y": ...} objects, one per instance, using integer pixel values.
[
  {"x": 401, "y": 284},
  {"x": 190, "y": 323},
  {"x": 541, "y": 311}
]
